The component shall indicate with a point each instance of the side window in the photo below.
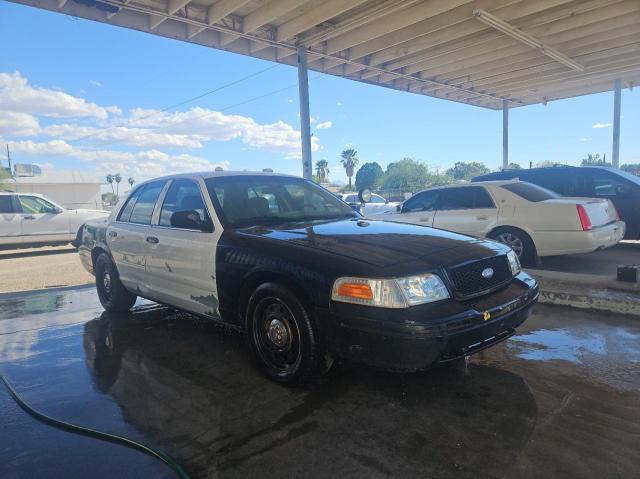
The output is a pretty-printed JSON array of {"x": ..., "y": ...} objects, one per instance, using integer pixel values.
[
  {"x": 146, "y": 202},
  {"x": 457, "y": 199},
  {"x": 184, "y": 196},
  {"x": 377, "y": 199},
  {"x": 125, "y": 212},
  {"x": 608, "y": 186},
  {"x": 482, "y": 199},
  {"x": 351, "y": 199},
  {"x": 33, "y": 204},
  {"x": 6, "y": 204},
  {"x": 425, "y": 201}
]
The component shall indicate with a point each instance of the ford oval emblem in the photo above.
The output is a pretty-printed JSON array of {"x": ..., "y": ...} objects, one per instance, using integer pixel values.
[{"x": 487, "y": 273}]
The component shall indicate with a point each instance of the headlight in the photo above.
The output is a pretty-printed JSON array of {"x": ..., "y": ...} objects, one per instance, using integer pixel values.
[
  {"x": 514, "y": 262},
  {"x": 390, "y": 293}
]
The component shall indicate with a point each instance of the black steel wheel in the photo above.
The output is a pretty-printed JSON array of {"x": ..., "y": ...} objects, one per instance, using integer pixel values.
[
  {"x": 111, "y": 292},
  {"x": 282, "y": 336}
]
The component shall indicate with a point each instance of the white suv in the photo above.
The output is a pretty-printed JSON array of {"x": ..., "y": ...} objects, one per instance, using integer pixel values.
[{"x": 29, "y": 219}]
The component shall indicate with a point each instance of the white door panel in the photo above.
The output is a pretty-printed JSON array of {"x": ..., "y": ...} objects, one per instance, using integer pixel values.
[
  {"x": 10, "y": 228},
  {"x": 128, "y": 246},
  {"x": 41, "y": 221},
  {"x": 424, "y": 218},
  {"x": 473, "y": 222}
]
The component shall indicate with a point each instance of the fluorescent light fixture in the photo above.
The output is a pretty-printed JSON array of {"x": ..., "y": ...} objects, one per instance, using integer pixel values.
[{"x": 513, "y": 32}]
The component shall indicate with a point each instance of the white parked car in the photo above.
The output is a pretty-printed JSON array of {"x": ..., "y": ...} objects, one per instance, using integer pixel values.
[
  {"x": 530, "y": 219},
  {"x": 29, "y": 219},
  {"x": 377, "y": 205}
]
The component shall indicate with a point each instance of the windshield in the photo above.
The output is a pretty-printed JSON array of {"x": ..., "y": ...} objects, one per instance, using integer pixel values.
[
  {"x": 258, "y": 200},
  {"x": 530, "y": 192},
  {"x": 625, "y": 174}
]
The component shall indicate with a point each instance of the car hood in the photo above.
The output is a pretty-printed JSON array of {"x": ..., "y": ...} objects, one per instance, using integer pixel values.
[{"x": 380, "y": 243}]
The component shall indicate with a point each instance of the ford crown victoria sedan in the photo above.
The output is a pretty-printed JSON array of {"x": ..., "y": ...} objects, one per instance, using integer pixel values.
[{"x": 306, "y": 277}]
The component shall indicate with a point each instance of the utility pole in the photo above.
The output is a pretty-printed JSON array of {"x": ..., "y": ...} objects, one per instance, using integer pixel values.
[{"x": 9, "y": 160}]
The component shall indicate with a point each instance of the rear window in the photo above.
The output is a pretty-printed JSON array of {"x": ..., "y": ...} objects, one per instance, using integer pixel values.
[{"x": 529, "y": 192}]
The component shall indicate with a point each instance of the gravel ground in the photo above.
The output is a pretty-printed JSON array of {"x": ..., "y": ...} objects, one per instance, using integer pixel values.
[{"x": 38, "y": 268}]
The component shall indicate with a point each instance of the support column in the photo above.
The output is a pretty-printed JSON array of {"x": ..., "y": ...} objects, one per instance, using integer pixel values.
[
  {"x": 505, "y": 135},
  {"x": 617, "y": 87},
  {"x": 305, "y": 121}
]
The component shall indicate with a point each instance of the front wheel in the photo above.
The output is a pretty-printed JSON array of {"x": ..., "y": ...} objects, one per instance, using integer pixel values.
[
  {"x": 113, "y": 296},
  {"x": 282, "y": 336},
  {"x": 518, "y": 241}
]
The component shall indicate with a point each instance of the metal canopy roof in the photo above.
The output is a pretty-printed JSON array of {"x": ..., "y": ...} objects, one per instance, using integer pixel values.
[{"x": 479, "y": 52}]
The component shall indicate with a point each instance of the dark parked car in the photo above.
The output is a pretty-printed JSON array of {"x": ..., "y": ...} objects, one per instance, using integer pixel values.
[
  {"x": 622, "y": 188},
  {"x": 304, "y": 275}
]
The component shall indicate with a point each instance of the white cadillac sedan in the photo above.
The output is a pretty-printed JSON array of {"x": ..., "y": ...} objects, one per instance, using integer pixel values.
[
  {"x": 530, "y": 219},
  {"x": 30, "y": 219}
]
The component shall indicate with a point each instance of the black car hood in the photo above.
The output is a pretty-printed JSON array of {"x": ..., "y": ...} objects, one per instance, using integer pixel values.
[{"x": 380, "y": 243}]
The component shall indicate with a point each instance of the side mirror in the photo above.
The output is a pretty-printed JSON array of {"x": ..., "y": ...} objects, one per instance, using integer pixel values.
[
  {"x": 188, "y": 219},
  {"x": 57, "y": 210},
  {"x": 623, "y": 190},
  {"x": 364, "y": 195}
]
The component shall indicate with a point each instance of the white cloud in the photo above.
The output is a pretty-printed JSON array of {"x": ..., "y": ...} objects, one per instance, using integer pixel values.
[
  {"x": 140, "y": 164},
  {"x": 95, "y": 83},
  {"x": 584, "y": 139},
  {"x": 18, "y": 124},
  {"x": 17, "y": 95},
  {"x": 324, "y": 125},
  {"x": 602, "y": 125}
]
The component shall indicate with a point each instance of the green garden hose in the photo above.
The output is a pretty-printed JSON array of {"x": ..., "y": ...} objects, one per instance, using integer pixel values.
[{"x": 123, "y": 441}]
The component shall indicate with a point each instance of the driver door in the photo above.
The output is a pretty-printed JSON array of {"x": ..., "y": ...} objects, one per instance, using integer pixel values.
[
  {"x": 419, "y": 209},
  {"x": 43, "y": 221}
]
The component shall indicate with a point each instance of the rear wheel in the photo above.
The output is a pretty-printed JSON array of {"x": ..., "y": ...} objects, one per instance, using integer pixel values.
[
  {"x": 113, "y": 295},
  {"x": 518, "y": 241},
  {"x": 282, "y": 336}
]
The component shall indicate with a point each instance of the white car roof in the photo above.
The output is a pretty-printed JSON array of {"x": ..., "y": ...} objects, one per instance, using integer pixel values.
[{"x": 475, "y": 183}]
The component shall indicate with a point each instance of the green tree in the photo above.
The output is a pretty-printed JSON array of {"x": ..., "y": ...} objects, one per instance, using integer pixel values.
[
  {"x": 131, "y": 181},
  {"x": 322, "y": 170},
  {"x": 545, "y": 164},
  {"x": 109, "y": 198},
  {"x": 595, "y": 160},
  {"x": 406, "y": 174},
  {"x": 633, "y": 168},
  {"x": 349, "y": 161},
  {"x": 368, "y": 175},
  {"x": 514, "y": 166},
  {"x": 467, "y": 170}
]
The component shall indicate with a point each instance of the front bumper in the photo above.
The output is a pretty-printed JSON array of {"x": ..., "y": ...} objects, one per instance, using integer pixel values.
[{"x": 422, "y": 336}]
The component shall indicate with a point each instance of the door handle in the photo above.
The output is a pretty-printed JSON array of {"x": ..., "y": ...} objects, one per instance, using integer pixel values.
[
  {"x": 29, "y": 217},
  {"x": 152, "y": 240},
  {"x": 482, "y": 217},
  {"x": 113, "y": 234},
  {"x": 424, "y": 220}
]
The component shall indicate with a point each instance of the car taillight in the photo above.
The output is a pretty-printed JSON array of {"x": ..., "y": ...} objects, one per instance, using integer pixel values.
[{"x": 584, "y": 218}]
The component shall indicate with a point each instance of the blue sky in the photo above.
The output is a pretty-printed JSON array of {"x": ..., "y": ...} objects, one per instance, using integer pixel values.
[{"x": 62, "y": 78}]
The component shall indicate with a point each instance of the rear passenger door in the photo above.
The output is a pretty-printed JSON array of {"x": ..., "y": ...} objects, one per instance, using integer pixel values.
[
  {"x": 127, "y": 237},
  {"x": 180, "y": 267},
  {"x": 466, "y": 209},
  {"x": 10, "y": 221}
]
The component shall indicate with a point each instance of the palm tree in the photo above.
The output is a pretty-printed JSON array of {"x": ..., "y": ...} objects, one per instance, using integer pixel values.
[
  {"x": 110, "y": 181},
  {"x": 322, "y": 170},
  {"x": 349, "y": 161},
  {"x": 131, "y": 181},
  {"x": 117, "y": 178}
]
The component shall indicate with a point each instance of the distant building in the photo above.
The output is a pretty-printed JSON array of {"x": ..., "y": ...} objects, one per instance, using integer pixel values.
[{"x": 71, "y": 189}]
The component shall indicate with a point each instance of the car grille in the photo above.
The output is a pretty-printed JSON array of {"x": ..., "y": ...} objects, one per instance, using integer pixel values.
[{"x": 467, "y": 279}]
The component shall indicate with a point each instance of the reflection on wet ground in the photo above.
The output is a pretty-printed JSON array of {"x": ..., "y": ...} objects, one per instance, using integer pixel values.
[{"x": 561, "y": 399}]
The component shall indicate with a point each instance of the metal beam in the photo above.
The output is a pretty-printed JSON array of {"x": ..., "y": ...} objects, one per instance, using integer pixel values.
[
  {"x": 267, "y": 13},
  {"x": 222, "y": 8},
  {"x": 516, "y": 33},
  {"x": 617, "y": 86},
  {"x": 505, "y": 134},
  {"x": 305, "y": 119}
]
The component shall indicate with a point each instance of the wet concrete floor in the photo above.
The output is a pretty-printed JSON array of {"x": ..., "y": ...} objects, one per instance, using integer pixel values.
[{"x": 560, "y": 399}]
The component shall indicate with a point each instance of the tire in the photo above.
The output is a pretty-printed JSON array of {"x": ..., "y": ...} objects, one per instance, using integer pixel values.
[
  {"x": 283, "y": 338},
  {"x": 113, "y": 296},
  {"x": 517, "y": 240}
]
